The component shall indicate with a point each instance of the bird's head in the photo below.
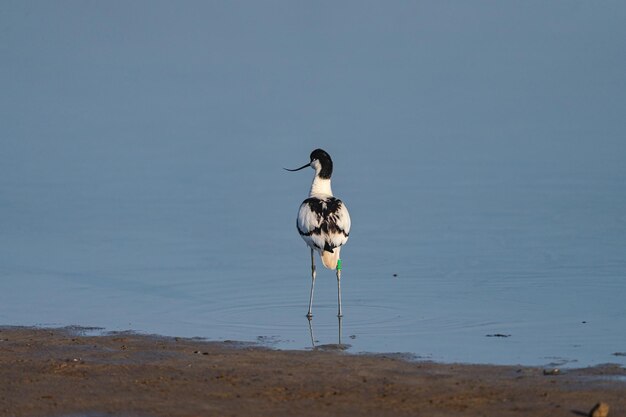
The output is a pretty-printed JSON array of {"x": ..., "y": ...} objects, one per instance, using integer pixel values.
[{"x": 320, "y": 162}]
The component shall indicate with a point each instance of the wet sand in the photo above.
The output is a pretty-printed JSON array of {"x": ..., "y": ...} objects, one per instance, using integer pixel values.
[{"x": 58, "y": 372}]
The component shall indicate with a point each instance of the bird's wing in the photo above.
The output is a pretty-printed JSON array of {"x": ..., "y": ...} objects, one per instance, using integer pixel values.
[
  {"x": 339, "y": 225},
  {"x": 343, "y": 219},
  {"x": 310, "y": 222}
]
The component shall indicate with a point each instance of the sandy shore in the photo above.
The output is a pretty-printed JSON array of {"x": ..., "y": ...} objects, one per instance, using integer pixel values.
[{"x": 56, "y": 372}]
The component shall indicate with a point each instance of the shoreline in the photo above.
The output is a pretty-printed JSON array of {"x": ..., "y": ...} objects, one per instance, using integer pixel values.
[{"x": 61, "y": 372}]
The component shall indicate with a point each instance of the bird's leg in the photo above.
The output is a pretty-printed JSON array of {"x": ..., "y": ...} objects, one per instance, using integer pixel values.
[
  {"x": 310, "y": 314},
  {"x": 339, "y": 314},
  {"x": 311, "y": 332},
  {"x": 339, "y": 322}
]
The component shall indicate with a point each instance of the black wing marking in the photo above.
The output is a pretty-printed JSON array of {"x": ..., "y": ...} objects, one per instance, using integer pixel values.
[{"x": 328, "y": 214}]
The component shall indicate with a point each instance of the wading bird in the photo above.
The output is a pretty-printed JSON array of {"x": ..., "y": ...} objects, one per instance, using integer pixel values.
[{"x": 323, "y": 221}]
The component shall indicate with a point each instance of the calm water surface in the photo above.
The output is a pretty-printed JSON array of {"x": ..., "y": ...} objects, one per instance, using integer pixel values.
[
  {"x": 480, "y": 149},
  {"x": 496, "y": 263}
]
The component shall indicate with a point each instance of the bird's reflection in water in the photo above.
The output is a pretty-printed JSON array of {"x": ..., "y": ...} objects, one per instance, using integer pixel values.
[{"x": 330, "y": 346}]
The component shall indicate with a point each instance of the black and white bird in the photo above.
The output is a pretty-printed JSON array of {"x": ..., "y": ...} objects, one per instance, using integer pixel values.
[{"x": 323, "y": 221}]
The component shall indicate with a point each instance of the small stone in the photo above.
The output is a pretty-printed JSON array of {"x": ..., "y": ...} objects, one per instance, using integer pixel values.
[
  {"x": 599, "y": 410},
  {"x": 553, "y": 371}
]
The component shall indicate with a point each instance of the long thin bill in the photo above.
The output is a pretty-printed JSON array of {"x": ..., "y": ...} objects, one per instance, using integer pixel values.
[{"x": 298, "y": 169}]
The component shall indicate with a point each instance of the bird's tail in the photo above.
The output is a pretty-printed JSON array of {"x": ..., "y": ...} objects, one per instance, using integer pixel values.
[{"x": 329, "y": 259}]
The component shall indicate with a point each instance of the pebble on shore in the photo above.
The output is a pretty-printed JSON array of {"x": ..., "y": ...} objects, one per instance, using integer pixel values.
[{"x": 599, "y": 410}]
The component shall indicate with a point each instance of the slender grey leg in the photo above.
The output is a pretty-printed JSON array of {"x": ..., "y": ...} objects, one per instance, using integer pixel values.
[
  {"x": 339, "y": 288},
  {"x": 310, "y": 314},
  {"x": 339, "y": 319},
  {"x": 311, "y": 333}
]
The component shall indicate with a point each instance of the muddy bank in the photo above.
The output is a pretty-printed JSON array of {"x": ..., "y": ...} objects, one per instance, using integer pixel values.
[{"x": 56, "y": 372}]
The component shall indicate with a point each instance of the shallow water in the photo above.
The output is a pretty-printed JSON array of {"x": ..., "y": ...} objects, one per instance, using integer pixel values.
[
  {"x": 481, "y": 232},
  {"x": 488, "y": 271}
]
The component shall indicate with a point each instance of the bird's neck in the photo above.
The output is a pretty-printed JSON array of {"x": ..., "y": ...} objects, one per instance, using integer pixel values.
[{"x": 320, "y": 187}]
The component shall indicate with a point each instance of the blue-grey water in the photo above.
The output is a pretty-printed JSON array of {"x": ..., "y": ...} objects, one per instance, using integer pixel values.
[{"x": 481, "y": 150}]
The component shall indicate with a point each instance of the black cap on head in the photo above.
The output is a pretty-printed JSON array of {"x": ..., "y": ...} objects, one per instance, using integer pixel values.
[{"x": 325, "y": 161}]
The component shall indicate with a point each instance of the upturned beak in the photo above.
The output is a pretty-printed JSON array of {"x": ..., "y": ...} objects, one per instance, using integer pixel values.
[{"x": 298, "y": 169}]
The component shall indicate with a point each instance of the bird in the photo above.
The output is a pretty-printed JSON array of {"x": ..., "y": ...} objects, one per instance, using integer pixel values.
[{"x": 323, "y": 221}]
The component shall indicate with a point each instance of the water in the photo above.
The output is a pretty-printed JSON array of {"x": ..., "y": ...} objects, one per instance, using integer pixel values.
[
  {"x": 141, "y": 187},
  {"x": 540, "y": 260}
]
